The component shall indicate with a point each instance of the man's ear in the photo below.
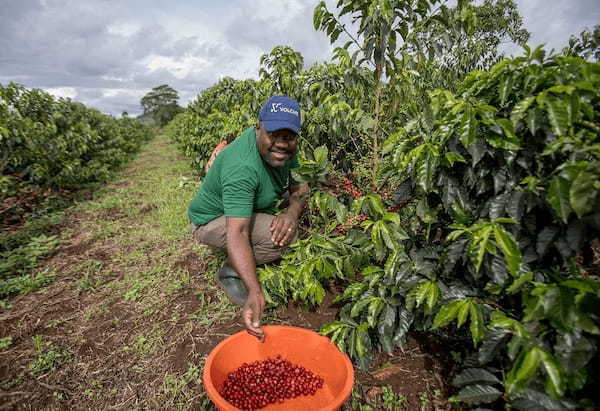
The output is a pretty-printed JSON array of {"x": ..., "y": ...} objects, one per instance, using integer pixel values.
[{"x": 258, "y": 125}]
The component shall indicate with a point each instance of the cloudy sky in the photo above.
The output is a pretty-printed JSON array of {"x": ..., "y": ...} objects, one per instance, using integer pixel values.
[{"x": 109, "y": 53}]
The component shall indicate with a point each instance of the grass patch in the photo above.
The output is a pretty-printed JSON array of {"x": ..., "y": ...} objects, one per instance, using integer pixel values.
[
  {"x": 26, "y": 283},
  {"x": 25, "y": 258},
  {"x": 178, "y": 391},
  {"x": 47, "y": 356},
  {"x": 5, "y": 342},
  {"x": 144, "y": 289}
]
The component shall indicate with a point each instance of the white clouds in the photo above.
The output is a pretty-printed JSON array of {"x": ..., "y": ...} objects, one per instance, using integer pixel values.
[
  {"x": 122, "y": 92},
  {"x": 180, "y": 67},
  {"x": 65, "y": 92},
  {"x": 282, "y": 13},
  {"x": 107, "y": 54},
  {"x": 125, "y": 29},
  {"x": 553, "y": 22}
]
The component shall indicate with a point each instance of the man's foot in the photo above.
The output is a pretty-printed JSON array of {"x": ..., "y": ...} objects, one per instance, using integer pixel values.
[{"x": 232, "y": 284}]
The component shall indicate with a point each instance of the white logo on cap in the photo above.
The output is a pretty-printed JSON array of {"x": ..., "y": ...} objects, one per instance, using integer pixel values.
[{"x": 276, "y": 107}]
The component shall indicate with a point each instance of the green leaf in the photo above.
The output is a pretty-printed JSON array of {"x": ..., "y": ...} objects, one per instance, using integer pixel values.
[
  {"x": 533, "y": 400},
  {"x": 474, "y": 375},
  {"x": 561, "y": 88},
  {"x": 534, "y": 119},
  {"x": 519, "y": 110},
  {"x": 426, "y": 170},
  {"x": 524, "y": 369},
  {"x": 497, "y": 206},
  {"x": 405, "y": 320},
  {"x": 477, "y": 150},
  {"x": 478, "y": 393},
  {"x": 520, "y": 282},
  {"x": 332, "y": 327},
  {"x": 391, "y": 218},
  {"x": 359, "y": 306},
  {"x": 583, "y": 191},
  {"x": 558, "y": 197},
  {"x": 454, "y": 157},
  {"x": 468, "y": 128},
  {"x": 447, "y": 313},
  {"x": 463, "y": 313},
  {"x": 515, "y": 207},
  {"x": 480, "y": 245},
  {"x": 558, "y": 115},
  {"x": 493, "y": 342},
  {"x": 376, "y": 204},
  {"x": 545, "y": 239},
  {"x": 432, "y": 297},
  {"x": 477, "y": 326},
  {"x": 385, "y": 234},
  {"x": 320, "y": 154},
  {"x": 505, "y": 88},
  {"x": 587, "y": 285},
  {"x": 374, "y": 310},
  {"x": 509, "y": 247},
  {"x": 510, "y": 141},
  {"x": 573, "y": 351},
  {"x": 362, "y": 340},
  {"x": 388, "y": 319},
  {"x": 500, "y": 320},
  {"x": 555, "y": 383}
]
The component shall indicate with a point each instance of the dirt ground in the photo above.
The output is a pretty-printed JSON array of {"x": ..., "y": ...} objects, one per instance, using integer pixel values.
[{"x": 133, "y": 312}]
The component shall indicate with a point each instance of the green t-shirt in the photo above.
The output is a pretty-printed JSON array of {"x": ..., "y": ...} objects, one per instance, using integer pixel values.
[{"x": 240, "y": 183}]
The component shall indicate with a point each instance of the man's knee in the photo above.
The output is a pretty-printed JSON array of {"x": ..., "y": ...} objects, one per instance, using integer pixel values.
[{"x": 213, "y": 234}]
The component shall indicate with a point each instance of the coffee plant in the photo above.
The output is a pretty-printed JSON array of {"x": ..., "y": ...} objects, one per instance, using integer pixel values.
[
  {"x": 453, "y": 192},
  {"x": 57, "y": 143},
  {"x": 508, "y": 176}
]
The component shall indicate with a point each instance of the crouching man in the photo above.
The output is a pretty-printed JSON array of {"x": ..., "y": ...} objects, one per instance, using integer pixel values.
[{"x": 234, "y": 208}]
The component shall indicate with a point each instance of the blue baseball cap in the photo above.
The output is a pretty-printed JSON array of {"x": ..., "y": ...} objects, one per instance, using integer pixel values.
[{"x": 280, "y": 112}]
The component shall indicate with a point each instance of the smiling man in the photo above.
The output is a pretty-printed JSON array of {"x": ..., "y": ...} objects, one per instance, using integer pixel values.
[{"x": 236, "y": 204}]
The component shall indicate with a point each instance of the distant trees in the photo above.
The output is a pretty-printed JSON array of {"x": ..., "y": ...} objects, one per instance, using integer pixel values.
[
  {"x": 161, "y": 104},
  {"x": 587, "y": 45}
]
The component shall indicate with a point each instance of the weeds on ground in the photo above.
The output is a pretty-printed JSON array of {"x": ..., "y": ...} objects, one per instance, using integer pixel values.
[
  {"x": 392, "y": 400},
  {"x": 180, "y": 390},
  {"x": 386, "y": 399},
  {"x": 212, "y": 311},
  {"x": 26, "y": 283},
  {"x": 5, "y": 342},
  {"x": 47, "y": 356},
  {"x": 146, "y": 344},
  {"x": 26, "y": 257},
  {"x": 90, "y": 272}
]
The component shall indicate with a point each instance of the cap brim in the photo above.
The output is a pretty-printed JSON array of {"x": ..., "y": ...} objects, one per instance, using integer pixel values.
[{"x": 278, "y": 125}]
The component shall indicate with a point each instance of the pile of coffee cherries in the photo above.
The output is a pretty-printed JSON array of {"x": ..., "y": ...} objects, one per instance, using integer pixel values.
[{"x": 260, "y": 383}]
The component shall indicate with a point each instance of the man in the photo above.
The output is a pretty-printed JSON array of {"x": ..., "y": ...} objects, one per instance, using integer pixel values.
[{"x": 234, "y": 208}]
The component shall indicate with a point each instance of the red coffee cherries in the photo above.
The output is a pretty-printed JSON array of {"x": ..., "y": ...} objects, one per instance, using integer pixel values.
[{"x": 260, "y": 383}]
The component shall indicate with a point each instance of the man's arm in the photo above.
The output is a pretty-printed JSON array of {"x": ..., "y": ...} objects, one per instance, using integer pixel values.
[
  {"x": 285, "y": 225},
  {"x": 241, "y": 258}
]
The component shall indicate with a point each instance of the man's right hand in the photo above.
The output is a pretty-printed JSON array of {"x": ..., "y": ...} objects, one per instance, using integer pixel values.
[{"x": 252, "y": 314}]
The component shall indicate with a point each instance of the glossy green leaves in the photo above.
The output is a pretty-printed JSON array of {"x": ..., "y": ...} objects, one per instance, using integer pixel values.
[{"x": 459, "y": 311}]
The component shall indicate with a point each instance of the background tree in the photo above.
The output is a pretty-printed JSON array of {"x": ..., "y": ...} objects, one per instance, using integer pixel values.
[
  {"x": 161, "y": 104},
  {"x": 586, "y": 46},
  {"x": 282, "y": 66}
]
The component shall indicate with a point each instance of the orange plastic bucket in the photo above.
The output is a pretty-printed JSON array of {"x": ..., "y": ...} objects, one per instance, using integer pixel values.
[{"x": 298, "y": 345}]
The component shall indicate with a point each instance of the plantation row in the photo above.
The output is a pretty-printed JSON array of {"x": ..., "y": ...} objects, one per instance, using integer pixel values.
[
  {"x": 49, "y": 148},
  {"x": 455, "y": 201},
  {"x": 58, "y": 143}
]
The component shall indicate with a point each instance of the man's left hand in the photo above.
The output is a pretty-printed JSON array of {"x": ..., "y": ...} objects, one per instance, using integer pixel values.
[{"x": 283, "y": 229}]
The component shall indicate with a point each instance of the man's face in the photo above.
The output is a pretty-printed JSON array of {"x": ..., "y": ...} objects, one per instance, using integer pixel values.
[{"x": 276, "y": 147}]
